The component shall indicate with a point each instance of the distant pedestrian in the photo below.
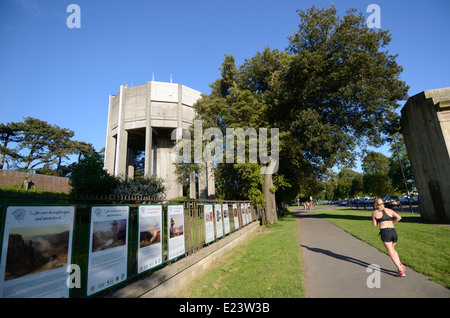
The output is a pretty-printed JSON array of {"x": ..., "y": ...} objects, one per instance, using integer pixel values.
[{"x": 386, "y": 218}]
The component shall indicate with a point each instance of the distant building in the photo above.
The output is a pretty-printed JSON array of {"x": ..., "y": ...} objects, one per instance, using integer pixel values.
[
  {"x": 142, "y": 118},
  {"x": 426, "y": 130}
]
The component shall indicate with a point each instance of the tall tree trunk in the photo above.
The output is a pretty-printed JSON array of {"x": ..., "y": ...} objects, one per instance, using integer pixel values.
[{"x": 269, "y": 197}]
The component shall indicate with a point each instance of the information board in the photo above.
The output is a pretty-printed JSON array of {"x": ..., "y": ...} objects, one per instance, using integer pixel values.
[
  {"x": 175, "y": 221},
  {"x": 108, "y": 246},
  {"x": 36, "y": 251},
  {"x": 226, "y": 218},
  {"x": 247, "y": 213},
  {"x": 218, "y": 216},
  {"x": 244, "y": 218},
  {"x": 209, "y": 223},
  {"x": 150, "y": 237},
  {"x": 235, "y": 216}
]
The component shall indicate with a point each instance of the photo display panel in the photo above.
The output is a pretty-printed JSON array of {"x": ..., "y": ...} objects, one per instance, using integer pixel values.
[
  {"x": 36, "y": 251},
  {"x": 218, "y": 217},
  {"x": 150, "y": 237},
  {"x": 108, "y": 246},
  {"x": 175, "y": 221},
  {"x": 226, "y": 218},
  {"x": 244, "y": 219},
  {"x": 247, "y": 213},
  {"x": 235, "y": 216},
  {"x": 209, "y": 223}
]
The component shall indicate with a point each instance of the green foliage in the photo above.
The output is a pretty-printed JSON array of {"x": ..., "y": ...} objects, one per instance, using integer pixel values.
[
  {"x": 89, "y": 177},
  {"x": 334, "y": 88},
  {"x": 395, "y": 170},
  {"x": 9, "y": 133},
  {"x": 376, "y": 180},
  {"x": 381, "y": 175},
  {"x": 349, "y": 184},
  {"x": 153, "y": 186},
  {"x": 36, "y": 145}
]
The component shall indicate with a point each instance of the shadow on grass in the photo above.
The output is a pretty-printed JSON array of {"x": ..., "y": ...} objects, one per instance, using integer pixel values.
[{"x": 317, "y": 213}]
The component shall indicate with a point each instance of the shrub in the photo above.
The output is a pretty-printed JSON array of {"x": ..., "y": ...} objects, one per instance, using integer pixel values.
[
  {"x": 89, "y": 177},
  {"x": 142, "y": 186}
]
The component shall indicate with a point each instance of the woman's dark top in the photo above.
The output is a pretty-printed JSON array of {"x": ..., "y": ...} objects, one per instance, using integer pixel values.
[{"x": 385, "y": 217}]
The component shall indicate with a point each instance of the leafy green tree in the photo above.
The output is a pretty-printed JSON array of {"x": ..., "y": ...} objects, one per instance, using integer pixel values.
[
  {"x": 349, "y": 183},
  {"x": 336, "y": 87},
  {"x": 37, "y": 145},
  {"x": 395, "y": 170},
  {"x": 376, "y": 180},
  {"x": 90, "y": 177},
  {"x": 9, "y": 134}
]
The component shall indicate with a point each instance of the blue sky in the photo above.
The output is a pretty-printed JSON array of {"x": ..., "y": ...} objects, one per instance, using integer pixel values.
[{"x": 64, "y": 76}]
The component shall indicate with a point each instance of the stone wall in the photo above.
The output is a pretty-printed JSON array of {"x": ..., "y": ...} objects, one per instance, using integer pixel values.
[{"x": 10, "y": 178}]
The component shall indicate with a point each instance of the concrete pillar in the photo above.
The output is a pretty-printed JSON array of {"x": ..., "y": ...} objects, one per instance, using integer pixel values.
[
  {"x": 130, "y": 163},
  {"x": 122, "y": 140},
  {"x": 110, "y": 145},
  {"x": 426, "y": 130},
  {"x": 192, "y": 186},
  {"x": 211, "y": 183},
  {"x": 180, "y": 112},
  {"x": 148, "y": 167},
  {"x": 202, "y": 182},
  {"x": 206, "y": 184}
]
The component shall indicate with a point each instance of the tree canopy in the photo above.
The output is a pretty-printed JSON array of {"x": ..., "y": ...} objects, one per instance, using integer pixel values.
[
  {"x": 35, "y": 145},
  {"x": 335, "y": 87}
]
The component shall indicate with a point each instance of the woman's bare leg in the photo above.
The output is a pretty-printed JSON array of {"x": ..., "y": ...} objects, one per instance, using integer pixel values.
[{"x": 393, "y": 254}]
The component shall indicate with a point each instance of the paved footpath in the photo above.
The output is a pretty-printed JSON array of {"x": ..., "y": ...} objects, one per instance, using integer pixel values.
[{"x": 336, "y": 265}]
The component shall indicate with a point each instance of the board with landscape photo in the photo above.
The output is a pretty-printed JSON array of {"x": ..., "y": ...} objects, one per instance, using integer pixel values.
[
  {"x": 36, "y": 249},
  {"x": 109, "y": 234},
  {"x": 150, "y": 231},
  {"x": 176, "y": 225}
]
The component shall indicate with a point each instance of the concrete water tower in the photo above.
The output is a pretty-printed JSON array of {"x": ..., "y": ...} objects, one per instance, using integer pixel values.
[{"x": 142, "y": 118}]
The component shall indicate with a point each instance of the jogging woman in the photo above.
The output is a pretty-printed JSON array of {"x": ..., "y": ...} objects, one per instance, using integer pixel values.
[{"x": 386, "y": 218}]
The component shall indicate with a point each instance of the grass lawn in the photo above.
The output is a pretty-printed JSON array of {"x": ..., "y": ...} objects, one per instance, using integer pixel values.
[
  {"x": 268, "y": 265},
  {"x": 422, "y": 247}
]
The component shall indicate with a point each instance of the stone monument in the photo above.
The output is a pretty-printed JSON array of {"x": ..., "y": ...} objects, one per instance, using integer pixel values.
[{"x": 425, "y": 126}]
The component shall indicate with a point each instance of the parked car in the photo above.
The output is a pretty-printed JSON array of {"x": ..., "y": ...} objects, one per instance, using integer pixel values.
[
  {"x": 368, "y": 203},
  {"x": 415, "y": 199},
  {"x": 391, "y": 201},
  {"x": 404, "y": 200}
]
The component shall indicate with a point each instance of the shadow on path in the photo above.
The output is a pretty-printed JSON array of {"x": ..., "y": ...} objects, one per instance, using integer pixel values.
[
  {"x": 308, "y": 214},
  {"x": 346, "y": 258}
]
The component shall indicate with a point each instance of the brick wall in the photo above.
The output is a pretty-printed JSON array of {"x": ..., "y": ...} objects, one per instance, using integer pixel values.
[{"x": 9, "y": 178}]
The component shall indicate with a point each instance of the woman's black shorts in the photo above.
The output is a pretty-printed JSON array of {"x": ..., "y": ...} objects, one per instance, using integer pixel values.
[{"x": 388, "y": 235}]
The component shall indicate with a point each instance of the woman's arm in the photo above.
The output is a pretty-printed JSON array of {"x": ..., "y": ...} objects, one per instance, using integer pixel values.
[
  {"x": 396, "y": 217},
  {"x": 374, "y": 220}
]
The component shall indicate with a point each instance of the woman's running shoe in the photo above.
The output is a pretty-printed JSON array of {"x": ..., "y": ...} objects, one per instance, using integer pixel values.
[{"x": 401, "y": 274}]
